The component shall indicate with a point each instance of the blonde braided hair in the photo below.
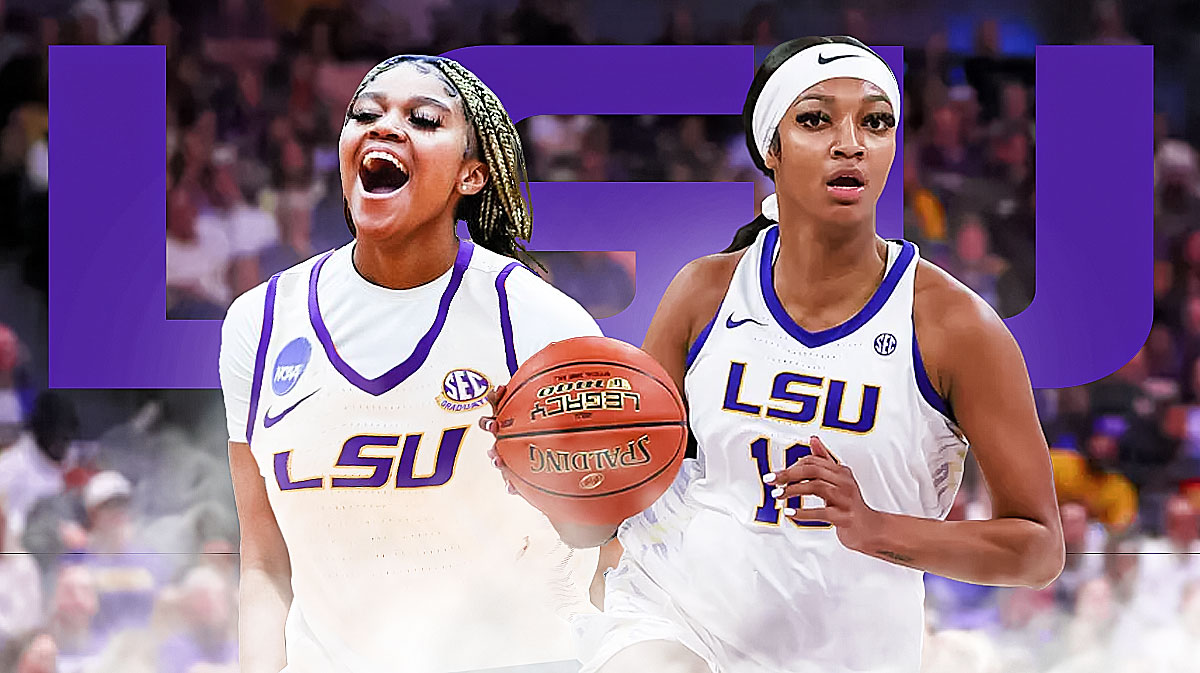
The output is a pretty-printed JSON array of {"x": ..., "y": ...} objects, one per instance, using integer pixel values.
[{"x": 498, "y": 217}]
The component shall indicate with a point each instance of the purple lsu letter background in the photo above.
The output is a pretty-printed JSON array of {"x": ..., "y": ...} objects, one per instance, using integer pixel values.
[{"x": 107, "y": 300}]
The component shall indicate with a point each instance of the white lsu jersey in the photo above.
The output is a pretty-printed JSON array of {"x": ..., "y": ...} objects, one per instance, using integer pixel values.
[
  {"x": 714, "y": 564},
  {"x": 407, "y": 554}
]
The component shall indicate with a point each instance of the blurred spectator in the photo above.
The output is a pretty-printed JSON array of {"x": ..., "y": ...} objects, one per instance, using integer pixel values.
[
  {"x": 295, "y": 194},
  {"x": 1176, "y": 647},
  {"x": 1168, "y": 564},
  {"x": 1121, "y": 566},
  {"x": 922, "y": 209},
  {"x": 690, "y": 150},
  {"x": 236, "y": 19},
  {"x": 1163, "y": 358},
  {"x": 249, "y": 230},
  {"x": 946, "y": 160},
  {"x": 543, "y": 22},
  {"x": 1090, "y": 478},
  {"x": 1014, "y": 111},
  {"x": 33, "y": 466},
  {"x": 11, "y": 424},
  {"x": 973, "y": 262},
  {"x": 1088, "y": 635},
  {"x": 126, "y": 576},
  {"x": 961, "y": 605},
  {"x": 208, "y": 633},
  {"x": 20, "y": 588},
  {"x": 957, "y": 651},
  {"x": 596, "y": 162},
  {"x": 242, "y": 115},
  {"x": 198, "y": 259},
  {"x": 1009, "y": 155},
  {"x": 759, "y": 27},
  {"x": 1030, "y": 625},
  {"x": 33, "y": 652},
  {"x": 987, "y": 39},
  {"x": 113, "y": 21},
  {"x": 990, "y": 67},
  {"x": 597, "y": 280},
  {"x": 680, "y": 26},
  {"x": 1176, "y": 198},
  {"x": 16, "y": 391},
  {"x": 73, "y": 609},
  {"x": 552, "y": 137},
  {"x": 1085, "y": 543},
  {"x": 1110, "y": 25},
  {"x": 855, "y": 22}
]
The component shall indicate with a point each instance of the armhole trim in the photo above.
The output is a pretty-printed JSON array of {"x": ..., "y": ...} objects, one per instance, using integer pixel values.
[
  {"x": 694, "y": 350},
  {"x": 925, "y": 386},
  {"x": 260, "y": 359},
  {"x": 510, "y": 349}
]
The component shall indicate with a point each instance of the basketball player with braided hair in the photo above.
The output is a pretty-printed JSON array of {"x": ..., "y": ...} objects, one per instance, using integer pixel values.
[{"x": 375, "y": 532}]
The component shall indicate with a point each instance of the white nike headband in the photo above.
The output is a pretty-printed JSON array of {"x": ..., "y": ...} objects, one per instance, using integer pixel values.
[{"x": 806, "y": 68}]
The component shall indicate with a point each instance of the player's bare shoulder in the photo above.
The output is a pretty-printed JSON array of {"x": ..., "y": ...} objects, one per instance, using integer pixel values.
[
  {"x": 952, "y": 322},
  {"x": 699, "y": 287}
]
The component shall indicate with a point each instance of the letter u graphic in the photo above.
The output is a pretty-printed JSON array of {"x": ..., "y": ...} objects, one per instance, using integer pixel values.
[{"x": 447, "y": 454}]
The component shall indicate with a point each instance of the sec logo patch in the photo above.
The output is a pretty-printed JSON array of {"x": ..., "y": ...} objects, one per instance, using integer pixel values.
[
  {"x": 463, "y": 390},
  {"x": 885, "y": 344}
]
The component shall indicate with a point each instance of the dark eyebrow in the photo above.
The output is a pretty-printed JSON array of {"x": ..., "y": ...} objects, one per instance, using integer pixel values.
[
  {"x": 429, "y": 100},
  {"x": 381, "y": 98},
  {"x": 869, "y": 98}
]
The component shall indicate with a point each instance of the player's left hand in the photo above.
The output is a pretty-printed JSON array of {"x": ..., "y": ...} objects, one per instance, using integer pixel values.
[
  {"x": 821, "y": 475},
  {"x": 573, "y": 534},
  {"x": 489, "y": 423}
]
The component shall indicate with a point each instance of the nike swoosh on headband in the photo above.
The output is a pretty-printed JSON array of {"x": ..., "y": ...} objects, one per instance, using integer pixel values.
[
  {"x": 269, "y": 420},
  {"x": 822, "y": 60}
]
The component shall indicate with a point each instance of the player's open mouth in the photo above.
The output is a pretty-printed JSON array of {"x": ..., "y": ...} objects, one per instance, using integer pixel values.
[
  {"x": 381, "y": 173},
  {"x": 846, "y": 185}
]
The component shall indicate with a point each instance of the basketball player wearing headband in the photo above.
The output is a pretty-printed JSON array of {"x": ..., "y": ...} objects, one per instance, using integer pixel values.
[
  {"x": 833, "y": 379},
  {"x": 375, "y": 534}
]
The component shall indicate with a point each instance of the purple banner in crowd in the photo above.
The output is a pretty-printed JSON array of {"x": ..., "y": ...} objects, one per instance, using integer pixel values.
[{"x": 107, "y": 315}]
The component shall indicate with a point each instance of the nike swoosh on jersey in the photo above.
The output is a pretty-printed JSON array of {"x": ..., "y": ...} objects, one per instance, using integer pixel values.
[
  {"x": 731, "y": 323},
  {"x": 822, "y": 60},
  {"x": 269, "y": 420}
]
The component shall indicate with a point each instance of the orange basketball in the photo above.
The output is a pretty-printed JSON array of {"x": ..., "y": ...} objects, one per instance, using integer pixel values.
[{"x": 593, "y": 430}]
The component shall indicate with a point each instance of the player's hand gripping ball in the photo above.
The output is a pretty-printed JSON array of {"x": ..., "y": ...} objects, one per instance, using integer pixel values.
[{"x": 591, "y": 430}]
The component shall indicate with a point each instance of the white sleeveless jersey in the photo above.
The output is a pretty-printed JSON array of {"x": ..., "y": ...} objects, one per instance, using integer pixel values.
[
  {"x": 407, "y": 554},
  {"x": 761, "y": 593}
]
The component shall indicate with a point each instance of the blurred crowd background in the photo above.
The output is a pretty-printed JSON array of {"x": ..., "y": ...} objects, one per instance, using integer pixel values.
[{"x": 118, "y": 534}]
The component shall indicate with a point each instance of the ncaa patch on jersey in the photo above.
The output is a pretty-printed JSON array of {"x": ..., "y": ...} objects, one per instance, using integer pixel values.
[
  {"x": 463, "y": 390},
  {"x": 885, "y": 344},
  {"x": 289, "y": 365}
]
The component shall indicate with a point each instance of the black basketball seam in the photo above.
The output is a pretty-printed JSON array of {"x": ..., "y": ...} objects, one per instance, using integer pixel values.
[
  {"x": 594, "y": 428},
  {"x": 607, "y": 493},
  {"x": 653, "y": 377}
]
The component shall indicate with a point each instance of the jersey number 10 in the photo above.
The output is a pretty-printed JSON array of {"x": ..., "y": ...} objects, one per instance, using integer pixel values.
[{"x": 768, "y": 512}]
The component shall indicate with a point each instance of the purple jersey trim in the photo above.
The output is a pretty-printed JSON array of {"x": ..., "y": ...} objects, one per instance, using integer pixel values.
[
  {"x": 398, "y": 374},
  {"x": 260, "y": 360},
  {"x": 925, "y": 385},
  {"x": 510, "y": 350},
  {"x": 815, "y": 339},
  {"x": 694, "y": 350}
]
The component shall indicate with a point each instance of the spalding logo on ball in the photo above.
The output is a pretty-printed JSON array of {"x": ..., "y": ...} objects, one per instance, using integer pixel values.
[{"x": 593, "y": 430}]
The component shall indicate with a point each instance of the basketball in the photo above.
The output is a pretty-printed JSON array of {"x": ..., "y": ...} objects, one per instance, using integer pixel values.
[{"x": 593, "y": 430}]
